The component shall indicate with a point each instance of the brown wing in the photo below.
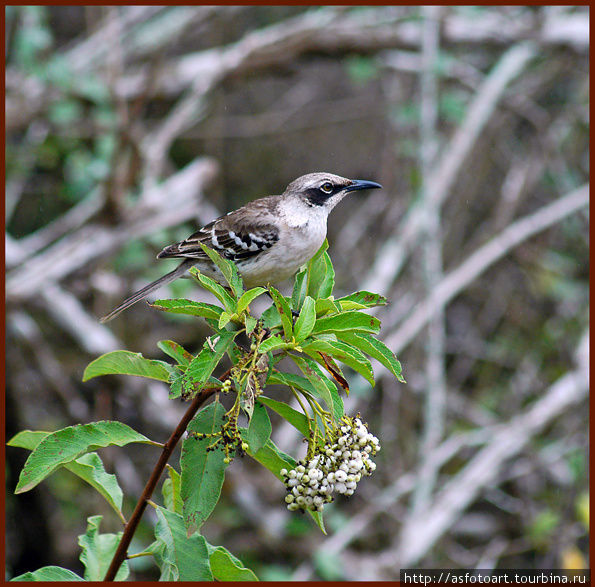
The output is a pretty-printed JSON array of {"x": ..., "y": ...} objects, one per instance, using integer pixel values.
[{"x": 233, "y": 238}]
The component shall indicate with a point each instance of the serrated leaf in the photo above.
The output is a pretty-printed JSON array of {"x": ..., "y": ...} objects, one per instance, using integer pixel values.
[
  {"x": 363, "y": 298},
  {"x": 171, "y": 491},
  {"x": 190, "y": 307},
  {"x": 226, "y": 567},
  {"x": 306, "y": 320},
  {"x": 227, "y": 268},
  {"x": 89, "y": 468},
  {"x": 352, "y": 320},
  {"x": 343, "y": 352},
  {"x": 127, "y": 363},
  {"x": 217, "y": 290},
  {"x": 271, "y": 318},
  {"x": 284, "y": 312},
  {"x": 49, "y": 573},
  {"x": 202, "y": 366},
  {"x": 248, "y": 297},
  {"x": 98, "y": 551},
  {"x": 259, "y": 429},
  {"x": 295, "y": 418},
  {"x": 181, "y": 557},
  {"x": 300, "y": 290},
  {"x": 68, "y": 444},
  {"x": 250, "y": 324},
  {"x": 177, "y": 352},
  {"x": 376, "y": 349},
  {"x": 202, "y": 472},
  {"x": 224, "y": 319}
]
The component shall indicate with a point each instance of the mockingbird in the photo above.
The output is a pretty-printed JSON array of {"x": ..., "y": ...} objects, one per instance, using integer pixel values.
[{"x": 269, "y": 239}]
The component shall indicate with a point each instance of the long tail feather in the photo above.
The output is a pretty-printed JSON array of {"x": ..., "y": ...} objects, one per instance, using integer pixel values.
[{"x": 145, "y": 291}]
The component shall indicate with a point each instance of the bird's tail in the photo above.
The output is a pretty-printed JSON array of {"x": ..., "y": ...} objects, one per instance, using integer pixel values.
[{"x": 145, "y": 291}]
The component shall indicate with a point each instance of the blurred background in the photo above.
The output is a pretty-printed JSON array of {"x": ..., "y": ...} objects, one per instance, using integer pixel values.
[{"x": 129, "y": 127}]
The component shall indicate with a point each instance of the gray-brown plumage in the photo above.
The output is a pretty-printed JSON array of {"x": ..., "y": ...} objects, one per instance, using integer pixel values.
[{"x": 269, "y": 239}]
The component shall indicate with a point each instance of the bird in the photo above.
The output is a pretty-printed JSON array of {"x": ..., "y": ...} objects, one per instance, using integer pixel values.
[{"x": 269, "y": 239}]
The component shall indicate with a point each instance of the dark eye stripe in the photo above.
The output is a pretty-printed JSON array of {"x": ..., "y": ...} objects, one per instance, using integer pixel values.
[{"x": 317, "y": 197}]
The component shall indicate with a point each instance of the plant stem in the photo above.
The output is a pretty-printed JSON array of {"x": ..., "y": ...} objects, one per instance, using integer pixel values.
[{"x": 130, "y": 528}]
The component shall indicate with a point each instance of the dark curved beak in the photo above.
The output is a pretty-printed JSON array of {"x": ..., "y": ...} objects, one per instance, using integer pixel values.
[{"x": 362, "y": 184}]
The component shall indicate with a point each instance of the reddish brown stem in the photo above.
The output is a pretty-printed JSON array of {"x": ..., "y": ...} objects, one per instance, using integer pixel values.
[{"x": 130, "y": 528}]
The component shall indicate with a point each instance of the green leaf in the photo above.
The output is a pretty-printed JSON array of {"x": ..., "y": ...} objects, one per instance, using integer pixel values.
[
  {"x": 224, "y": 319},
  {"x": 272, "y": 343},
  {"x": 176, "y": 352},
  {"x": 50, "y": 573},
  {"x": 343, "y": 352},
  {"x": 68, "y": 444},
  {"x": 202, "y": 472},
  {"x": 306, "y": 320},
  {"x": 171, "y": 491},
  {"x": 28, "y": 439},
  {"x": 351, "y": 320},
  {"x": 250, "y": 324},
  {"x": 226, "y": 567},
  {"x": 327, "y": 306},
  {"x": 217, "y": 290},
  {"x": 248, "y": 297},
  {"x": 228, "y": 268},
  {"x": 89, "y": 468},
  {"x": 98, "y": 551},
  {"x": 325, "y": 389},
  {"x": 126, "y": 363},
  {"x": 321, "y": 275},
  {"x": 273, "y": 458},
  {"x": 295, "y": 418},
  {"x": 293, "y": 380},
  {"x": 376, "y": 349},
  {"x": 300, "y": 289},
  {"x": 337, "y": 408},
  {"x": 180, "y": 556},
  {"x": 259, "y": 428},
  {"x": 284, "y": 312},
  {"x": 203, "y": 365},
  {"x": 362, "y": 299},
  {"x": 271, "y": 317},
  {"x": 183, "y": 306}
]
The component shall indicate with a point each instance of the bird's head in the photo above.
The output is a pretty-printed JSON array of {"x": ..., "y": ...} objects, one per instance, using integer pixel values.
[{"x": 324, "y": 191}]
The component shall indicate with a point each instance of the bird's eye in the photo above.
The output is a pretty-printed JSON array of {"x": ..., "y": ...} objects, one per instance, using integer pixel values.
[{"x": 327, "y": 187}]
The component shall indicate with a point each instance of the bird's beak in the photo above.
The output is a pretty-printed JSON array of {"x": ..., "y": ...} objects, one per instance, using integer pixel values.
[{"x": 362, "y": 184}]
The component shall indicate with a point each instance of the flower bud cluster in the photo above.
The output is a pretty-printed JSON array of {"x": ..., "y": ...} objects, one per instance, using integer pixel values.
[{"x": 335, "y": 467}]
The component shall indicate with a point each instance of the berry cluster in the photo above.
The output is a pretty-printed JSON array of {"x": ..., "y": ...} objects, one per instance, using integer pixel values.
[{"x": 337, "y": 466}]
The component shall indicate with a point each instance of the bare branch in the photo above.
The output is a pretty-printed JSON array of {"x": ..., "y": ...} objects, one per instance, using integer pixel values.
[
  {"x": 394, "y": 251},
  {"x": 480, "y": 260},
  {"x": 418, "y": 536},
  {"x": 172, "y": 202}
]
